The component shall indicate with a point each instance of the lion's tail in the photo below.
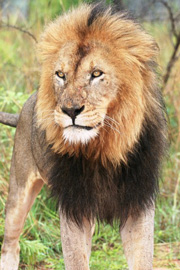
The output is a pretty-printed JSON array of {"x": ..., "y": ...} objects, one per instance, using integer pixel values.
[{"x": 9, "y": 119}]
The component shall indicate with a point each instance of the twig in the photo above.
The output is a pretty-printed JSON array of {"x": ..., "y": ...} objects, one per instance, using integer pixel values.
[
  {"x": 171, "y": 17},
  {"x": 172, "y": 61},
  {"x": 174, "y": 55},
  {"x": 19, "y": 29}
]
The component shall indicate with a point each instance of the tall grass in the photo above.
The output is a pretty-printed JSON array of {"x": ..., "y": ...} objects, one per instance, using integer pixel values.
[{"x": 40, "y": 240}]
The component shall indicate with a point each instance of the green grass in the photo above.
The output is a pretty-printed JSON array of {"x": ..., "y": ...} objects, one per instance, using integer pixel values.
[{"x": 40, "y": 240}]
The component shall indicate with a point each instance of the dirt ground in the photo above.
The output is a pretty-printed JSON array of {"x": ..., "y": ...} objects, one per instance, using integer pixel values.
[{"x": 167, "y": 256}]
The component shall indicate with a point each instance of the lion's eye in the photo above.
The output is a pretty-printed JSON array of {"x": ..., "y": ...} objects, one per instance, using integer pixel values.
[
  {"x": 96, "y": 73},
  {"x": 61, "y": 75}
]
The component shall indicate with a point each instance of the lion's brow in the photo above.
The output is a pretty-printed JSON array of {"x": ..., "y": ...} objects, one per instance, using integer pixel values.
[{"x": 82, "y": 51}]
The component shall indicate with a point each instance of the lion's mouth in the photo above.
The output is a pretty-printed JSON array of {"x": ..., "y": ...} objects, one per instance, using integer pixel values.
[{"x": 83, "y": 127}]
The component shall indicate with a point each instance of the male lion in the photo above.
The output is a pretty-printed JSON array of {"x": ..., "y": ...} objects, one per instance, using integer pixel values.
[{"x": 94, "y": 133}]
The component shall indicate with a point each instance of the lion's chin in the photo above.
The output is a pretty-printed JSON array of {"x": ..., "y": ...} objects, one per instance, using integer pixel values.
[{"x": 75, "y": 135}]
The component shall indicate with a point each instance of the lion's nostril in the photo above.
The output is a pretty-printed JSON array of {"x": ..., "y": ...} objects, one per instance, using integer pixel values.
[{"x": 73, "y": 111}]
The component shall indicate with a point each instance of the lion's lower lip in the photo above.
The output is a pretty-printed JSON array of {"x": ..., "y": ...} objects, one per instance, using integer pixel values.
[{"x": 84, "y": 127}]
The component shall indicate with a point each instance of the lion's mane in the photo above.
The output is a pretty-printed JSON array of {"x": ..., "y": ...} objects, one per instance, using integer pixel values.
[{"x": 116, "y": 173}]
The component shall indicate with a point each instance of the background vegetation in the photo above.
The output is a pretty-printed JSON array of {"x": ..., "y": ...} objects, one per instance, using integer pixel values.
[{"x": 19, "y": 77}]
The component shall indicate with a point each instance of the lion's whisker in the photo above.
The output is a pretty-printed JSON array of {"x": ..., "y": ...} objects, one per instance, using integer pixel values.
[
  {"x": 109, "y": 125},
  {"x": 113, "y": 120},
  {"x": 107, "y": 117}
]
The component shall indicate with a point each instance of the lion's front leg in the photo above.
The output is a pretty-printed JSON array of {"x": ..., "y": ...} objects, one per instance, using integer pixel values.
[
  {"x": 20, "y": 200},
  {"x": 76, "y": 243},
  {"x": 138, "y": 241}
]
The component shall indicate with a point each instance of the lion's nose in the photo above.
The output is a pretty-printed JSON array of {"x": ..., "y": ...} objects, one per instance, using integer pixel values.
[{"x": 73, "y": 111}]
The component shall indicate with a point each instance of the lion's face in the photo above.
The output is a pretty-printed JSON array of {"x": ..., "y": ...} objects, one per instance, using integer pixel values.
[{"x": 84, "y": 84}]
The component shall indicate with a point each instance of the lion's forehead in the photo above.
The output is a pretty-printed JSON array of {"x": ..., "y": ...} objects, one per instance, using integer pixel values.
[{"x": 74, "y": 56}]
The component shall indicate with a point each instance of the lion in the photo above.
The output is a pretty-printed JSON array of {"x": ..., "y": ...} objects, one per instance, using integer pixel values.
[{"x": 95, "y": 133}]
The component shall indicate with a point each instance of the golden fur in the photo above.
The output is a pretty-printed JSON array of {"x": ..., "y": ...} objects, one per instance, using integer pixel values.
[{"x": 129, "y": 52}]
